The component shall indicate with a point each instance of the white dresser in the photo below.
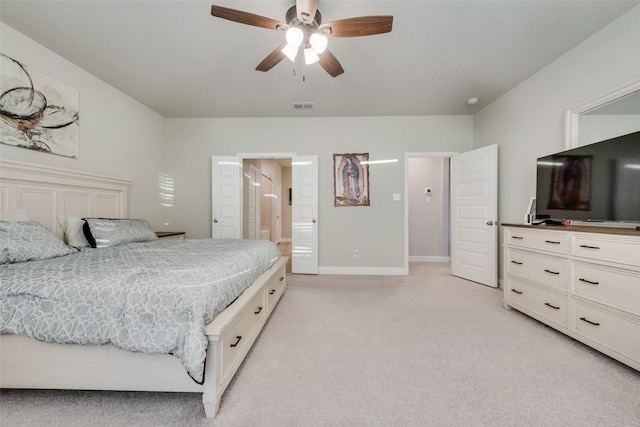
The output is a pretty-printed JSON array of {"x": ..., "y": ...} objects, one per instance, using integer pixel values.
[{"x": 582, "y": 281}]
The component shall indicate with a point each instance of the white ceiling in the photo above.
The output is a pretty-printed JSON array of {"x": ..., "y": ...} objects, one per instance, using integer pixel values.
[{"x": 174, "y": 57}]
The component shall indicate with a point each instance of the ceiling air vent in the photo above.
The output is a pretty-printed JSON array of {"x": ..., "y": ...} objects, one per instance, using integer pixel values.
[{"x": 303, "y": 105}]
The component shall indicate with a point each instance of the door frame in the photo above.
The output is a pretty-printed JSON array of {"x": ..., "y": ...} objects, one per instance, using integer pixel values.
[{"x": 407, "y": 156}]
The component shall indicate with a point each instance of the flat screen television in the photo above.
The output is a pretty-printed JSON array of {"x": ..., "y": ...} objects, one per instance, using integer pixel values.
[{"x": 599, "y": 182}]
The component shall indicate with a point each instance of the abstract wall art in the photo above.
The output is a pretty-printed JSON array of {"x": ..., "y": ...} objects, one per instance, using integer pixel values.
[{"x": 36, "y": 111}]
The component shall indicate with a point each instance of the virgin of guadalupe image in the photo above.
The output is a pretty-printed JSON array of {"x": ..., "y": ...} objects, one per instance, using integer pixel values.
[{"x": 351, "y": 182}]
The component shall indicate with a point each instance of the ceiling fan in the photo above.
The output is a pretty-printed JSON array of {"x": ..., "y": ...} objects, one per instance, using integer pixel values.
[{"x": 305, "y": 32}]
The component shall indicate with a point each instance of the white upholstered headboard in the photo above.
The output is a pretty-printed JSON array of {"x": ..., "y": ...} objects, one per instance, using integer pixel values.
[{"x": 46, "y": 193}]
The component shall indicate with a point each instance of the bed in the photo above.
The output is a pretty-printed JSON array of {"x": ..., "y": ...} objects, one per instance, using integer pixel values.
[{"x": 227, "y": 327}]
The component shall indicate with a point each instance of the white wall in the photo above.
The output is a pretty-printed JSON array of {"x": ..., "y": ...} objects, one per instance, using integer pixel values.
[
  {"x": 119, "y": 137},
  {"x": 377, "y": 231}
]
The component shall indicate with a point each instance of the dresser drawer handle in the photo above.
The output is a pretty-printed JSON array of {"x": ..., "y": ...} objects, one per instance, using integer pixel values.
[
  {"x": 552, "y": 306},
  {"x": 238, "y": 338},
  {"x": 272, "y": 291},
  {"x": 516, "y": 262},
  {"x": 517, "y": 237},
  {"x": 553, "y": 242},
  {"x": 259, "y": 310},
  {"x": 517, "y": 292},
  {"x": 589, "y": 282},
  {"x": 584, "y": 319},
  {"x": 589, "y": 247},
  {"x": 551, "y": 272}
]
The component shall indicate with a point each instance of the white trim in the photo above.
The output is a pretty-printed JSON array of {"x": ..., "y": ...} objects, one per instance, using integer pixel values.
[
  {"x": 364, "y": 271},
  {"x": 572, "y": 116}
]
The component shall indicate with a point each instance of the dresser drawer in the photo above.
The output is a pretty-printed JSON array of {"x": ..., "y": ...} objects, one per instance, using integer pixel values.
[
  {"x": 618, "y": 288},
  {"x": 543, "y": 240},
  {"x": 618, "y": 333},
  {"x": 545, "y": 303},
  {"x": 275, "y": 288},
  {"x": 610, "y": 248},
  {"x": 547, "y": 270},
  {"x": 236, "y": 339}
]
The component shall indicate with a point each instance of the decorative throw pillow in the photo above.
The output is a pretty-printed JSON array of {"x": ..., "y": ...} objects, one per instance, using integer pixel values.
[
  {"x": 72, "y": 227},
  {"x": 105, "y": 232},
  {"x": 29, "y": 241}
]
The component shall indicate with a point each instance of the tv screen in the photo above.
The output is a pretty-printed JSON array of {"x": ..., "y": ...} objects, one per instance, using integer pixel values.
[{"x": 596, "y": 182}]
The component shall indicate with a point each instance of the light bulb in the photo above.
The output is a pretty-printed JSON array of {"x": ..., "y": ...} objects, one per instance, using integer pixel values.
[
  {"x": 318, "y": 42},
  {"x": 290, "y": 52},
  {"x": 310, "y": 56},
  {"x": 294, "y": 36}
]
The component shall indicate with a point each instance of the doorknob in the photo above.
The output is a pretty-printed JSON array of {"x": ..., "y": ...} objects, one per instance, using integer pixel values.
[
  {"x": 489, "y": 222},
  {"x": 215, "y": 220},
  {"x": 314, "y": 221}
]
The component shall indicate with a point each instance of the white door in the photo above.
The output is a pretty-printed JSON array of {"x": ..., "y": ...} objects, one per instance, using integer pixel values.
[
  {"x": 474, "y": 212},
  {"x": 304, "y": 215},
  {"x": 254, "y": 202},
  {"x": 277, "y": 212},
  {"x": 226, "y": 194}
]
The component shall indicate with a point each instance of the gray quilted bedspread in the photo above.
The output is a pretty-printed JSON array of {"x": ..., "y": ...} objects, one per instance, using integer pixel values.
[{"x": 152, "y": 297}]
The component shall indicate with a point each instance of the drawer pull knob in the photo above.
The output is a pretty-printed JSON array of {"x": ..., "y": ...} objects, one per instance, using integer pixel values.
[
  {"x": 516, "y": 262},
  {"x": 589, "y": 282},
  {"x": 589, "y": 247},
  {"x": 552, "y": 306},
  {"x": 551, "y": 272},
  {"x": 272, "y": 291},
  {"x": 516, "y": 291},
  {"x": 238, "y": 338},
  {"x": 584, "y": 319},
  {"x": 517, "y": 237},
  {"x": 259, "y": 310},
  {"x": 553, "y": 242},
  {"x": 281, "y": 278}
]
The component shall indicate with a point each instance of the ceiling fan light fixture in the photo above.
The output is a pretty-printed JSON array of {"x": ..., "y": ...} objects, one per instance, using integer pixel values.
[
  {"x": 290, "y": 52},
  {"x": 294, "y": 36},
  {"x": 318, "y": 42},
  {"x": 310, "y": 56}
]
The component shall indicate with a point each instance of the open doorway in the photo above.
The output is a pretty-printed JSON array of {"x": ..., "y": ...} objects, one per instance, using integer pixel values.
[
  {"x": 428, "y": 200},
  {"x": 266, "y": 193},
  {"x": 266, "y": 212}
]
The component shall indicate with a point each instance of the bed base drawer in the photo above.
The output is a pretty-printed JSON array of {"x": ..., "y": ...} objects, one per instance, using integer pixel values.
[
  {"x": 240, "y": 334},
  {"x": 275, "y": 288}
]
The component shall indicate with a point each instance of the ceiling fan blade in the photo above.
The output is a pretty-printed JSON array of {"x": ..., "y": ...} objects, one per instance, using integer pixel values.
[
  {"x": 247, "y": 18},
  {"x": 356, "y": 27},
  {"x": 330, "y": 64},
  {"x": 272, "y": 59}
]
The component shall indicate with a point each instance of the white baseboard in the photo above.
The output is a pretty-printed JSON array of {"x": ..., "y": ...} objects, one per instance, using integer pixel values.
[
  {"x": 444, "y": 259},
  {"x": 364, "y": 271}
]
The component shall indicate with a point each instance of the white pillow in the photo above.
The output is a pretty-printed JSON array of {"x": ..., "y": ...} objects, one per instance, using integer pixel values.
[
  {"x": 73, "y": 233},
  {"x": 15, "y": 216},
  {"x": 105, "y": 232}
]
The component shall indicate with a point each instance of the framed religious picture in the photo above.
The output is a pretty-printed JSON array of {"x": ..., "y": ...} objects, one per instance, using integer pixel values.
[{"x": 351, "y": 179}]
